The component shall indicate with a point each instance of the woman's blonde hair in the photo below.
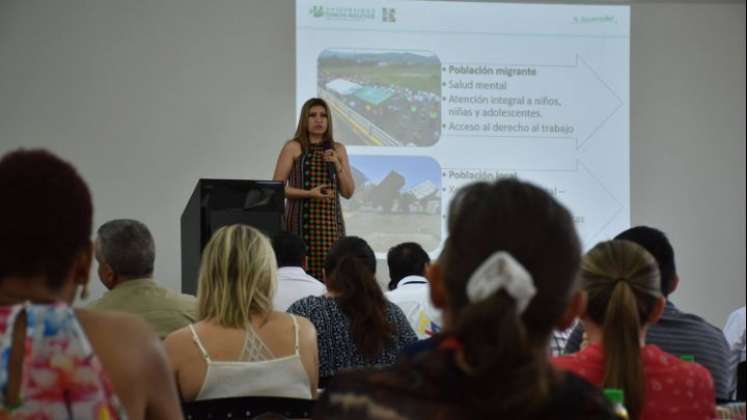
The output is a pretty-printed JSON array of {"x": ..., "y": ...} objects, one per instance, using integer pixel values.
[
  {"x": 237, "y": 276},
  {"x": 622, "y": 282}
]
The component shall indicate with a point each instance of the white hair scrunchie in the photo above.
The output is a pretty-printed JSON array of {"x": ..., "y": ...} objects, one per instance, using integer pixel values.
[{"x": 501, "y": 271}]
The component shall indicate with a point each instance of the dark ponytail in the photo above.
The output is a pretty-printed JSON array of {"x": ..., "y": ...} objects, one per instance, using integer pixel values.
[
  {"x": 505, "y": 372},
  {"x": 507, "y": 369},
  {"x": 351, "y": 265}
]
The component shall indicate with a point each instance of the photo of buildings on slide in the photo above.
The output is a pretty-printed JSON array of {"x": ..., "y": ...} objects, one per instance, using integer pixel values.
[
  {"x": 382, "y": 98},
  {"x": 397, "y": 199}
]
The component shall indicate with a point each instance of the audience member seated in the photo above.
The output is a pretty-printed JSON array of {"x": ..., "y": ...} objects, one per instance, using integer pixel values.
[
  {"x": 504, "y": 280},
  {"x": 734, "y": 330},
  {"x": 559, "y": 340},
  {"x": 408, "y": 288},
  {"x": 240, "y": 346},
  {"x": 356, "y": 325},
  {"x": 125, "y": 252},
  {"x": 676, "y": 332},
  {"x": 293, "y": 282},
  {"x": 59, "y": 362},
  {"x": 621, "y": 280}
]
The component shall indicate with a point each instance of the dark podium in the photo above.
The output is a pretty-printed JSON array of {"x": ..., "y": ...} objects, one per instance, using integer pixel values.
[{"x": 219, "y": 202}]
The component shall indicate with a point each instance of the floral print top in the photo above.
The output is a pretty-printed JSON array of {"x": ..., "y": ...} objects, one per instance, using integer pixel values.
[
  {"x": 675, "y": 389},
  {"x": 61, "y": 376}
]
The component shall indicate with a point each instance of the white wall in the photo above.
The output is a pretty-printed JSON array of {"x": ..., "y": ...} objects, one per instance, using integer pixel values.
[
  {"x": 688, "y": 145},
  {"x": 145, "y": 97}
]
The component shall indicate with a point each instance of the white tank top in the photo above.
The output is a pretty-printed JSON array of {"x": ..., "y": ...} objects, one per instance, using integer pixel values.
[{"x": 278, "y": 377}]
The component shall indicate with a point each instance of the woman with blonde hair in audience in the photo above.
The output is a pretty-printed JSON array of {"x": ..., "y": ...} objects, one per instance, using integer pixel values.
[
  {"x": 240, "y": 346},
  {"x": 60, "y": 362},
  {"x": 357, "y": 326},
  {"x": 504, "y": 280},
  {"x": 621, "y": 280}
]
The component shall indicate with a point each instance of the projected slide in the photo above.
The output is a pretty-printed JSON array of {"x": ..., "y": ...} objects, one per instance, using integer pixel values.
[
  {"x": 398, "y": 199},
  {"x": 429, "y": 96},
  {"x": 386, "y": 98}
]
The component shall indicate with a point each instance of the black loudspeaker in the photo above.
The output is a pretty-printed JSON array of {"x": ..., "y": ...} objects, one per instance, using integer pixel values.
[{"x": 219, "y": 202}]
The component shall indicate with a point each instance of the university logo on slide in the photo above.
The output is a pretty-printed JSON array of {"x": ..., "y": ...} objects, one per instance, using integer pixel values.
[
  {"x": 316, "y": 11},
  {"x": 350, "y": 14},
  {"x": 388, "y": 14}
]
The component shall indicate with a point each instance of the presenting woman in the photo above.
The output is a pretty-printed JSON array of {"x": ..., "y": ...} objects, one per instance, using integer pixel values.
[{"x": 315, "y": 169}]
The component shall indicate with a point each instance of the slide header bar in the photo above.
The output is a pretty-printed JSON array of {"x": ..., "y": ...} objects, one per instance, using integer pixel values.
[{"x": 449, "y": 17}]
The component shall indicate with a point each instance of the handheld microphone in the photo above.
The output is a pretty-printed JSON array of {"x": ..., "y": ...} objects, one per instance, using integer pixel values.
[{"x": 331, "y": 170}]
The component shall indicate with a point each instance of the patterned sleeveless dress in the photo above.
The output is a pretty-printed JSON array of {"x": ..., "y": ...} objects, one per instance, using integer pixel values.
[
  {"x": 61, "y": 376},
  {"x": 318, "y": 222}
]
